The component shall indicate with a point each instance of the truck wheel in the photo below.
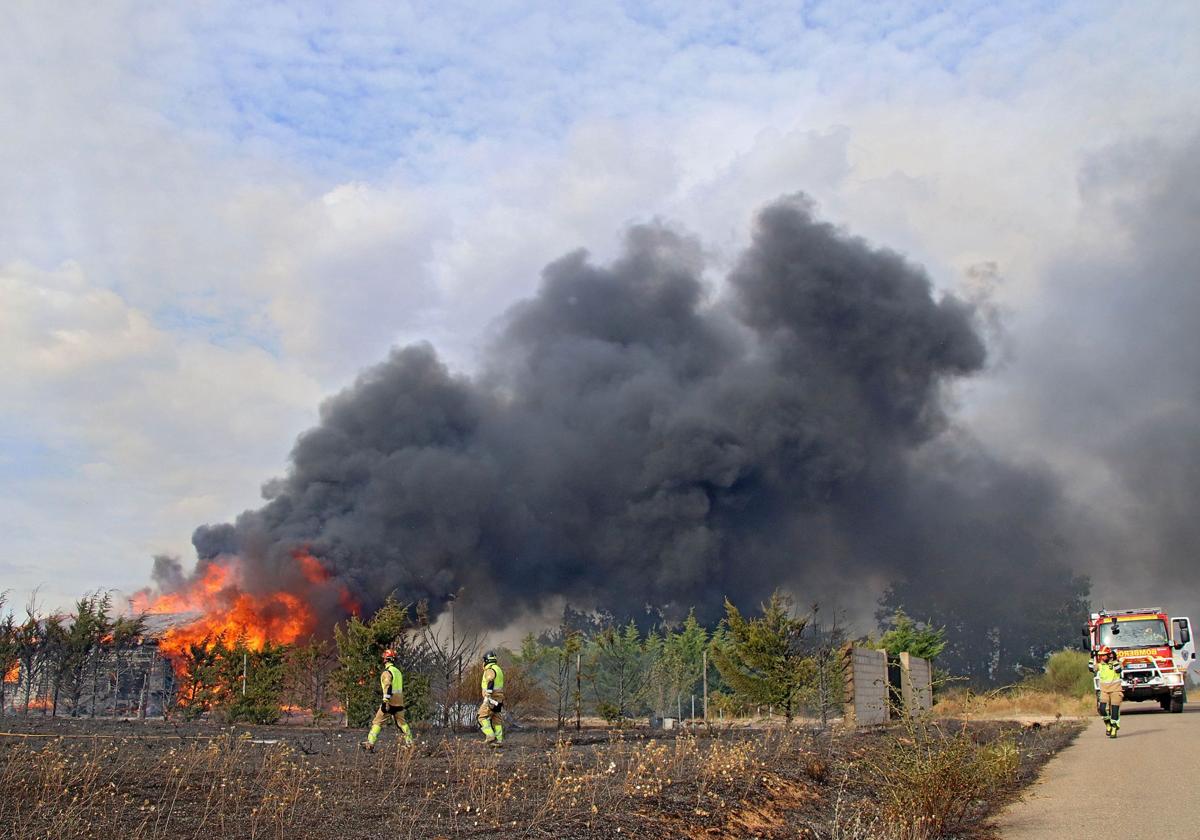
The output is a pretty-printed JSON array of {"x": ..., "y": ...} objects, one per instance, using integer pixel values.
[
  {"x": 1165, "y": 702},
  {"x": 1177, "y": 703}
]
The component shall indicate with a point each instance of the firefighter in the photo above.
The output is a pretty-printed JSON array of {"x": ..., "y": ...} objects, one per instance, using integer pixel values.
[
  {"x": 1108, "y": 669},
  {"x": 492, "y": 686},
  {"x": 392, "y": 683}
]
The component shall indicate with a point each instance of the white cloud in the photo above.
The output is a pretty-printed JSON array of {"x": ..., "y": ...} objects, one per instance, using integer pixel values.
[{"x": 136, "y": 435}]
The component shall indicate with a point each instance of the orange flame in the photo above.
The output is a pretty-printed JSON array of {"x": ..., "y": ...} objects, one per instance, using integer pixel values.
[
  {"x": 228, "y": 611},
  {"x": 13, "y": 674}
]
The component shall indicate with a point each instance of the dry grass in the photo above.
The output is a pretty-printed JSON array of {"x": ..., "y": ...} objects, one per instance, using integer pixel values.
[
  {"x": 1014, "y": 702},
  {"x": 231, "y": 787},
  {"x": 64, "y": 789}
]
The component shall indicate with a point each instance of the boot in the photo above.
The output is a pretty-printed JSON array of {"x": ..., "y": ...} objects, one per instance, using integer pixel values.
[{"x": 367, "y": 746}]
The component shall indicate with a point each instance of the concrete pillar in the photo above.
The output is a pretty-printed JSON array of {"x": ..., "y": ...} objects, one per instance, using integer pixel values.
[
  {"x": 866, "y": 687},
  {"x": 916, "y": 684}
]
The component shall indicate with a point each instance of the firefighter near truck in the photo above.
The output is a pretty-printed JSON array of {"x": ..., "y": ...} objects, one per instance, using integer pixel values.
[{"x": 1154, "y": 651}]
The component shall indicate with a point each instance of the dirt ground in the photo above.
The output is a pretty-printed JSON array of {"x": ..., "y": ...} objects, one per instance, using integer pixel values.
[{"x": 137, "y": 779}]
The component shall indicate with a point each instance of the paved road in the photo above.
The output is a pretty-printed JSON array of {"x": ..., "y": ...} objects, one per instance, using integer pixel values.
[{"x": 1146, "y": 782}]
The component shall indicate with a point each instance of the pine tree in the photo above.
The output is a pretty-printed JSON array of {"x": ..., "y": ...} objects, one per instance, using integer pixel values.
[
  {"x": 251, "y": 682},
  {"x": 360, "y": 647},
  {"x": 8, "y": 651},
  {"x": 907, "y": 636},
  {"x": 763, "y": 659},
  {"x": 680, "y": 662},
  {"x": 618, "y": 672}
]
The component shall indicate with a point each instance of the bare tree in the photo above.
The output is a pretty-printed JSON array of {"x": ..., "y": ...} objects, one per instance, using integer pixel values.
[
  {"x": 561, "y": 656},
  {"x": 307, "y": 676},
  {"x": 452, "y": 651},
  {"x": 826, "y": 644}
]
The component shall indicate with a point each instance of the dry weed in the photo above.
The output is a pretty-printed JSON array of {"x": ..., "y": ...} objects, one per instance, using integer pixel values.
[{"x": 934, "y": 783}]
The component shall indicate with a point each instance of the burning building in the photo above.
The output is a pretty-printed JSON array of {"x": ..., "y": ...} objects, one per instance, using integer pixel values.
[
  {"x": 134, "y": 680},
  {"x": 216, "y": 603}
]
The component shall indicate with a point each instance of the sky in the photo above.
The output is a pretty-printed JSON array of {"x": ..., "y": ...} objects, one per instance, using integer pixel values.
[{"x": 212, "y": 216}]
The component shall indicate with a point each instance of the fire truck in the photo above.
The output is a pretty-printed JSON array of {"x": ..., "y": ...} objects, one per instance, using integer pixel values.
[{"x": 1155, "y": 652}]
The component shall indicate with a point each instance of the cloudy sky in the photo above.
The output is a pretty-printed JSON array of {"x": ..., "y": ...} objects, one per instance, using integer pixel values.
[{"x": 213, "y": 215}]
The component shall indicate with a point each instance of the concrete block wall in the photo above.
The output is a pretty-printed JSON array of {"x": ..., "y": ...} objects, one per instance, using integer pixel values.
[
  {"x": 916, "y": 684},
  {"x": 866, "y": 687}
]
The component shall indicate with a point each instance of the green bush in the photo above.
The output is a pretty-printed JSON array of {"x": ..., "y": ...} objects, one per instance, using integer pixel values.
[
  {"x": 1067, "y": 673},
  {"x": 611, "y": 712}
]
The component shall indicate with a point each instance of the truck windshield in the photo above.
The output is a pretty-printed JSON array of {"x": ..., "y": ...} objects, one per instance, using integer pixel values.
[{"x": 1149, "y": 632}]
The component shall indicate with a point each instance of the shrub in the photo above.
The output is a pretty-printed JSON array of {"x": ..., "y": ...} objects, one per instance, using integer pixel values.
[
  {"x": 1067, "y": 673},
  {"x": 611, "y": 712},
  {"x": 937, "y": 782}
]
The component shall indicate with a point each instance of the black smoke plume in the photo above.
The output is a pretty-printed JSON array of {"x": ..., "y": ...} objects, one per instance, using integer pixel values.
[{"x": 635, "y": 440}]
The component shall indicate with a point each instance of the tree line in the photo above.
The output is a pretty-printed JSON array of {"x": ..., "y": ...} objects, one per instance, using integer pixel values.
[
  {"x": 780, "y": 660},
  {"x": 66, "y": 663}
]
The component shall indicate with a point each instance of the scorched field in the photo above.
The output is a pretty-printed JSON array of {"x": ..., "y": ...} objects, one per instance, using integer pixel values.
[{"x": 77, "y": 778}]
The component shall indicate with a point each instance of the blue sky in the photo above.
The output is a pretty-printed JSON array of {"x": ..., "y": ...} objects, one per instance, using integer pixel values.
[{"x": 212, "y": 215}]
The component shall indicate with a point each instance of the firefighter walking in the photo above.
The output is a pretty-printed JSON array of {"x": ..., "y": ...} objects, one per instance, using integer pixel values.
[
  {"x": 492, "y": 685},
  {"x": 1108, "y": 669},
  {"x": 391, "y": 680}
]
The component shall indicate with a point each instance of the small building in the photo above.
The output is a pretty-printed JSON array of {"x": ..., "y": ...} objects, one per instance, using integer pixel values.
[{"x": 134, "y": 681}]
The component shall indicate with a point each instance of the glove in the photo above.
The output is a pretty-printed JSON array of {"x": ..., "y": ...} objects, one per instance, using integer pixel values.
[
  {"x": 383, "y": 707},
  {"x": 491, "y": 702}
]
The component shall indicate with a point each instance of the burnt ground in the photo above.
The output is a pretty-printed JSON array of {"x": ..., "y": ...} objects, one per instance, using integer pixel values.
[{"x": 84, "y": 778}]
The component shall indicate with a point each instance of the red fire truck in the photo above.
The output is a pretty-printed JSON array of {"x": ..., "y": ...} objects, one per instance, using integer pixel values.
[{"x": 1155, "y": 652}]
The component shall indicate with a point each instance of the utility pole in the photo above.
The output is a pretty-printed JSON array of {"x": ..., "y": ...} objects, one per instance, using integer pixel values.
[
  {"x": 245, "y": 659},
  {"x": 452, "y": 697},
  {"x": 705, "y": 658},
  {"x": 142, "y": 694},
  {"x": 578, "y": 687}
]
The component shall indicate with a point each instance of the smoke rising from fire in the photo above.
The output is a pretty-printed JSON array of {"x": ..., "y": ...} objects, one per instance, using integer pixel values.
[
  {"x": 636, "y": 439},
  {"x": 1105, "y": 383}
]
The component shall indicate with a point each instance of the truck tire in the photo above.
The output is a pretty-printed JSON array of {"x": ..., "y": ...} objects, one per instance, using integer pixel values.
[
  {"x": 1177, "y": 703},
  {"x": 1165, "y": 702}
]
